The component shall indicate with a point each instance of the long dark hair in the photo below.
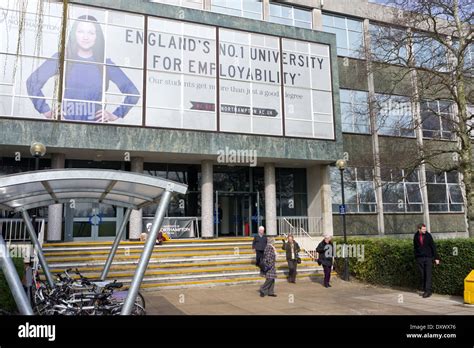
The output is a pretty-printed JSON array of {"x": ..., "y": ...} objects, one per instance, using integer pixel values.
[{"x": 98, "y": 50}]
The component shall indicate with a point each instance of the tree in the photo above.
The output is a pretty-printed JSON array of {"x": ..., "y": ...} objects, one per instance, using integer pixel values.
[{"x": 429, "y": 58}]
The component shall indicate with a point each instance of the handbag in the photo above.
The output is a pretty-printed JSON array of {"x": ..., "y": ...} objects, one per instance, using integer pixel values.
[{"x": 298, "y": 259}]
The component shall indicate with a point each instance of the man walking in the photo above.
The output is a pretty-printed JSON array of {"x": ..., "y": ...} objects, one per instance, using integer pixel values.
[
  {"x": 259, "y": 243},
  {"x": 425, "y": 252}
]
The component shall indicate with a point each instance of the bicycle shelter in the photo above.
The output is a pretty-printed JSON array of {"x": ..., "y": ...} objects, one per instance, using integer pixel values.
[{"x": 24, "y": 191}]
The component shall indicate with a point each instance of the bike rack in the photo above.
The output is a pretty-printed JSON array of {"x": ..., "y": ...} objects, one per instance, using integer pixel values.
[{"x": 24, "y": 191}]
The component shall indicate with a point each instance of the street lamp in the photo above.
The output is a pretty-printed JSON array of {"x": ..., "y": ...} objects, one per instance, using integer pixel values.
[
  {"x": 341, "y": 165},
  {"x": 37, "y": 150}
]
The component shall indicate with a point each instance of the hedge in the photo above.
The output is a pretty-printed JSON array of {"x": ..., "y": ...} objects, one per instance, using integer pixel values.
[
  {"x": 7, "y": 303},
  {"x": 391, "y": 262}
]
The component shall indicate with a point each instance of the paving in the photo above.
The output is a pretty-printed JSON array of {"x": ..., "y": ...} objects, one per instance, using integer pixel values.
[{"x": 306, "y": 297}]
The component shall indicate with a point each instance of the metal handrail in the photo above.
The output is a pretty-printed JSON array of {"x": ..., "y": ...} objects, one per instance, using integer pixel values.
[
  {"x": 14, "y": 230},
  {"x": 299, "y": 227}
]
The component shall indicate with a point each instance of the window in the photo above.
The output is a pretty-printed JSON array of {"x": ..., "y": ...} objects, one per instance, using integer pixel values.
[
  {"x": 349, "y": 37},
  {"x": 197, "y": 4},
  {"x": 429, "y": 53},
  {"x": 290, "y": 15},
  {"x": 359, "y": 190},
  {"x": 394, "y": 115},
  {"x": 401, "y": 191},
  {"x": 388, "y": 44},
  {"x": 437, "y": 119},
  {"x": 291, "y": 192},
  {"x": 241, "y": 8},
  {"x": 444, "y": 191},
  {"x": 355, "y": 111}
]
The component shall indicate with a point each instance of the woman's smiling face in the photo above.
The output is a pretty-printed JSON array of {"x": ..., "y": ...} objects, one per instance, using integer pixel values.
[{"x": 86, "y": 35}]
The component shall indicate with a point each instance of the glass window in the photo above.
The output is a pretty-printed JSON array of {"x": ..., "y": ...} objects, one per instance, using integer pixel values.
[
  {"x": 401, "y": 191},
  {"x": 290, "y": 15},
  {"x": 359, "y": 190},
  {"x": 349, "y": 34},
  {"x": 444, "y": 191},
  {"x": 242, "y": 8},
  {"x": 429, "y": 53},
  {"x": 355, "y": 111},
  {"x": 437, "y": 119},
  {"x": 394, "y": 115},
  {"x": 388, "y": 44},
  {"x": 197, "y": 4}
]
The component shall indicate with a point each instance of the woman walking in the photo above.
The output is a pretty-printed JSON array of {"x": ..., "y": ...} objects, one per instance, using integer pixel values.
[
  {"x": 269, "y": 268},
  {"x": 325, "y": 255},
  {"x": 292, "y": 249}
]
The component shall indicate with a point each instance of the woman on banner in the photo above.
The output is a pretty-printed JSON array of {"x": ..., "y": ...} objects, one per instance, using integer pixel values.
[{"x": 84, "y": 77}]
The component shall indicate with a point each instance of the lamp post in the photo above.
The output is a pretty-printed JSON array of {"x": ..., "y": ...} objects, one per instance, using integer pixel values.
[
  {"x": 37, "y": 150},
  {"x": 341, "y": 165}
]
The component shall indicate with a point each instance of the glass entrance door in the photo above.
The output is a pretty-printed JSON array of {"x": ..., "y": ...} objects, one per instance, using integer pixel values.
[
  {"x": 94, "y": 221},
  {"x": 236, "y": 214}
]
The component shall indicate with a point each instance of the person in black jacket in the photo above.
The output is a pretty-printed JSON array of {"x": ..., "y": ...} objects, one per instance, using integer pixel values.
[
  {"x": 425, "y": 252},
  {"x": 325, "y": 250},
  {"x": 259, "y": 243},
  {"x": 292, "y": 249}
]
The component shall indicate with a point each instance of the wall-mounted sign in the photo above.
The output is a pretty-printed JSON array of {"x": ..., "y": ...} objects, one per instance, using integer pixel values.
[{"x": 264, "y": 84}]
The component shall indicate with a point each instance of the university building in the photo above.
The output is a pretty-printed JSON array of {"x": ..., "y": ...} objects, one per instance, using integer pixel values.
[{"x": 250, "y": 103}]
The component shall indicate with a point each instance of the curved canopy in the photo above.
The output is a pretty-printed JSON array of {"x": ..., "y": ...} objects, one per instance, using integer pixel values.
[{"x": 42, "y": 188}]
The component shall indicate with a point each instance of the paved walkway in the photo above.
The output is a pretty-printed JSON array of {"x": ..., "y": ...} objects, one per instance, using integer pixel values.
[{"x": 304, "y": 297}]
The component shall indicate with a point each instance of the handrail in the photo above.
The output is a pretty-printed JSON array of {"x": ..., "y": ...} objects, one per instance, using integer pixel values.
[
  {"x": 299, "y": 227},
  {"x": 14, "y": 230}
]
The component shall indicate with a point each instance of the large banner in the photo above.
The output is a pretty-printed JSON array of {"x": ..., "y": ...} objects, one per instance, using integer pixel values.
[
  {"x": 179, "y": 228},
  {"x": 255, "y": 83}
]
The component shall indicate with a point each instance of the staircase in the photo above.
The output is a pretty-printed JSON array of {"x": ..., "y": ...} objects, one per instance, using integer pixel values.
[{"x": 176, "y": 263}]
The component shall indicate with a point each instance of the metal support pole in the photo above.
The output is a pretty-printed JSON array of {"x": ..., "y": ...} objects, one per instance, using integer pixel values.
[
  {"x": 37, "y": 245},
  {"x": 114, "y": 248},
  {"x": 346, "y": 256},
  {"x": 13, "y": 280},
  {"x": 146, "y": 254}
]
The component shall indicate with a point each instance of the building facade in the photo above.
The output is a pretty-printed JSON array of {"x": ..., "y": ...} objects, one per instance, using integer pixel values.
[{"x": 249, "y": 103}]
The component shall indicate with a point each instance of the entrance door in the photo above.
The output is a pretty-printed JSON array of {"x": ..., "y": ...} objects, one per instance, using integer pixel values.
[
  {"x": 236, "y": 213},
  {"x": 94, "y": 221}
]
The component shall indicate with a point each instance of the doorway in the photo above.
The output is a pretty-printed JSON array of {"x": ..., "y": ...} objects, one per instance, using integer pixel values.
[
  {"x": 236, "y": 214},
  {"x": 92, "y": 221}
]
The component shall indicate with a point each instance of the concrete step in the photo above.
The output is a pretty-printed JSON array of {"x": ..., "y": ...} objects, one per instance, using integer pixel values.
[
  {"x": 190, "y": 271},
  {"x": 169, "y": 242},
  {"x": 97, "y": 267},
  {"x": 172, "y": 277}
]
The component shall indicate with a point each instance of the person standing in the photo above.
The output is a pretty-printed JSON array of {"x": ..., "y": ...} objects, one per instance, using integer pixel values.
[
  {"x": 269, "y": 268},
  {"x": 425, "y": 252},
  {"x": 325, "y": 250},
  {"x": 259, "y": 243},
  {"x": 292, "y": 249}
]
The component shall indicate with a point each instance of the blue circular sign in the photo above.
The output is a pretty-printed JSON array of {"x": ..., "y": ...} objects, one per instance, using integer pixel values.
[{"x": 95, "y": 220}]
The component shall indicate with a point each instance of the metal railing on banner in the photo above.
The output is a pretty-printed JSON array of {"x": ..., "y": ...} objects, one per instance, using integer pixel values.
[
  {"x": 192, "y": 219},
  {"x": 304, "y": 230},
  {"x": 14, "y": 230}
]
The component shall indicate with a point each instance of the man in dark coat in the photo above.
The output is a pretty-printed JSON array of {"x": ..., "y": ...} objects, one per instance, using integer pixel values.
[
  {"x": 325, "y": 252},
  {"x": 425, "y": 252},
  {"x": 259, "y": 243}
]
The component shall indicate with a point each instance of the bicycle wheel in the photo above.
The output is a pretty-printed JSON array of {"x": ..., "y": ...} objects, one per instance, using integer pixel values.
[
  {"x": 140, "y": 300},
  {"x": 137, "y": 310}
]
